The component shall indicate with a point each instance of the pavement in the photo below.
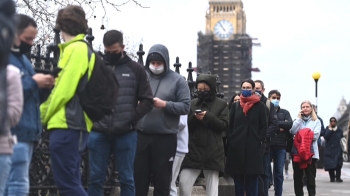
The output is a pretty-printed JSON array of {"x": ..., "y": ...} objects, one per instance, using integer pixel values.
[{"x": 323, "y": 184}]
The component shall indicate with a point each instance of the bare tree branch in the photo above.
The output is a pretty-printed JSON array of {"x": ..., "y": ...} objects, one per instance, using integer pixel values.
[{"x": 44, "y": 13}]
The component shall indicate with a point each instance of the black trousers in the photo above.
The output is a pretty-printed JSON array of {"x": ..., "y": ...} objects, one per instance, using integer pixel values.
[
  {"x": 154, "y": 162},
  {"x": 335, "y": 173},
  {"x": 310, "y": 173}
]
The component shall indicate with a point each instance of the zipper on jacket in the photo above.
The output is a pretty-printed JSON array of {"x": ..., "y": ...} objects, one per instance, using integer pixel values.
[{"x": 110, "y": 125}]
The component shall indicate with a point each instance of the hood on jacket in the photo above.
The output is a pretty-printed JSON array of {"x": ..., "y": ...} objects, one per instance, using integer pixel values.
[
  {"x": 163, "y": 51},
  {"x": 210, "y": 80}
]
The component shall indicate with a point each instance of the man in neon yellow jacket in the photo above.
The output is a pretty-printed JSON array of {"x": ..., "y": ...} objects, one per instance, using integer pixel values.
[{"x": 62, "y": 113}]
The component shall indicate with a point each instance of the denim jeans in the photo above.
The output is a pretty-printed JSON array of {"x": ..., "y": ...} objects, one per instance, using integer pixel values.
[
  {"x": 247, "y": 183},
  {"x": 124, "y": 148},
  {"x": 66, "y": 148},
  {"x": 278, "y": 156},
  {"x": 5, "y": 165},
  {"x": 18, "y": 181}
]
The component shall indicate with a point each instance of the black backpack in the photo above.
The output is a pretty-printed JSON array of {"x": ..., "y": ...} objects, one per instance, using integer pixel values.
[{"x": 99, "y": 95}]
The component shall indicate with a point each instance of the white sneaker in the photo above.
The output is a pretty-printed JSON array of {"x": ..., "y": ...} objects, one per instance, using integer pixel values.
[{"x": 286, "y": 175}]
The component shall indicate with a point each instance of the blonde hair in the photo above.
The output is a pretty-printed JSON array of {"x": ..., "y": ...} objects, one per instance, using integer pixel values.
[{"x": 313, "y": 113}]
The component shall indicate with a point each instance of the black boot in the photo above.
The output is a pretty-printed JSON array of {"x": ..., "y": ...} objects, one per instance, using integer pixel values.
[
  {"x": 337, "y": 174},
  {"x": 339, "y": 180},
  {"x": 331, "y": 175}
]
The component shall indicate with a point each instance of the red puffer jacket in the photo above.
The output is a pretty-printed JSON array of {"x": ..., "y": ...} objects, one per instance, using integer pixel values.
[{"x": 303, "y": 145}]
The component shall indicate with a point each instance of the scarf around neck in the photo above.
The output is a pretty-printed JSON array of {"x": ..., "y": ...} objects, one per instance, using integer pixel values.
[
  {"x": 306, "y": 118},
  {"x": 248, "y": 102},
  {"x": 333, "y": 128}
]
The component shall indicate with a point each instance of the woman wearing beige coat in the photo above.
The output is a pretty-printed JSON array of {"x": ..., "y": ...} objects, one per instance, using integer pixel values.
[{"x": 14, "y": 97}]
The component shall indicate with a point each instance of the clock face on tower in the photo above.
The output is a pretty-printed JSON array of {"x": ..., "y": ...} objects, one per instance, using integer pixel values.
[{"x": 223, "y": 29}]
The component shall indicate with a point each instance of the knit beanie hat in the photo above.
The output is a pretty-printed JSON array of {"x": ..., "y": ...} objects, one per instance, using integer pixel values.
[
  {"x": 333, "y": 118},
  {"x": 155, "y": 57}
]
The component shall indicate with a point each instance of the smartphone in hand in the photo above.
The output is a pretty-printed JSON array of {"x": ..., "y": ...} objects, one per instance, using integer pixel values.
[{"x": 198, "y": 111}]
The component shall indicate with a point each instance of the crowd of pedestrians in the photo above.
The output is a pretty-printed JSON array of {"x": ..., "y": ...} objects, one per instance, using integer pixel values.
[{"x": 157, "y": 134}]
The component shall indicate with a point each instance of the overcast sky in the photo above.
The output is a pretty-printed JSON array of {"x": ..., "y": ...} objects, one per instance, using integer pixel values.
[{"x": 297, "y": 38}]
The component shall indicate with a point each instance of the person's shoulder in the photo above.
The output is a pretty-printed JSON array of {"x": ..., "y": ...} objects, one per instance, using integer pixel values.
[
  {"x": 283, "y": 110},
  {"x": 194, "y": 101},
  {"x": 77, "y": 47},
  {"x": 175, "y": 76},
  {"x": 12, "y": 73},
  {"x": 261, "y": 104},
  {"x": 221, "y": 101},
  {"x": 135, "y": 65},
  {"x": 318, "y": 121},
  {"x": 12, "y": 69}
]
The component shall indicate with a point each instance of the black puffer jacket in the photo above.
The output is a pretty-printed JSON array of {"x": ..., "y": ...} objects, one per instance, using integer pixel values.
[
  {"x": 135, "y": 99},
  {"x": 285, "y": 122}
]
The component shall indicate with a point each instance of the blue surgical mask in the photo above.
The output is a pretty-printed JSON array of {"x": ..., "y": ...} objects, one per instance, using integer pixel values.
[
  {"x": 246, "y": 93},
  {"x": 258, "y": 91},
  {"x": 275, "y": 102}
]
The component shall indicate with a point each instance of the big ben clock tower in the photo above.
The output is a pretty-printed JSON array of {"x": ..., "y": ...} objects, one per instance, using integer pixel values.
[{"x": 225, "y": 48}]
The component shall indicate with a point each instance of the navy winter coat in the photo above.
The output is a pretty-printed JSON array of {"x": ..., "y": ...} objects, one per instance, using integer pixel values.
[{"x": 332, "y": 151}]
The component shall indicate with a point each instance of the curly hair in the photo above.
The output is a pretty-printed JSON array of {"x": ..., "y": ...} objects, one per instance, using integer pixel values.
[{"x": 71, "y": 20}]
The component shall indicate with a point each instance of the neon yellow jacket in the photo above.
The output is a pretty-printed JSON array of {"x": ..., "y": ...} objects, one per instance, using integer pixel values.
[{"x": 62, "y": 109}]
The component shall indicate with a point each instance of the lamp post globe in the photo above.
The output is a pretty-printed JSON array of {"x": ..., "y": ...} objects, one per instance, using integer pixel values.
[{"x": 316, "y": 76}]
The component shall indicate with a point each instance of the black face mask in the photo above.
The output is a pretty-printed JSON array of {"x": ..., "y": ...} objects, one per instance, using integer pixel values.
[
  {"x": 203, "y": 94},
  {"x": 24, "y": 47},
  {"x": 113, "y": 57}
]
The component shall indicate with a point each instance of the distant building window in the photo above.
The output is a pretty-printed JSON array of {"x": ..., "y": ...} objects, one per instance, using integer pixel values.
[
  {"x": 215, "y": 46},
  {"x": 238, "y": 69},
  {"x": 238, "y": 86},
  {"x": 216, "y": 63},
  {"x": 225, "y": 74},
  {"x": 216, "y": 57},
  {"x": 226, "y": 46},
  {"x": 225, "y": 69},
  {"x": 226, "y": 57},
  {"x": 225, "y": 86},
  {"x": 216, "y": 69},
  {"x": 238, "y": 74},
  {"x": 226, "y": 92},
  {"x": 225, "y": 51},
  {"x": 237, "y": 80}
]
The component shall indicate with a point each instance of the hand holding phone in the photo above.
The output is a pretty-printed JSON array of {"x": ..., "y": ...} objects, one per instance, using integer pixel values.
[
  {"x": 301, "y": 114},
  {"x": 199, "y": 114}
]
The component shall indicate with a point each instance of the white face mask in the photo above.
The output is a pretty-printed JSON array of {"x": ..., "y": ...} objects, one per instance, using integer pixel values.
[{"x": 158, "y": 70}]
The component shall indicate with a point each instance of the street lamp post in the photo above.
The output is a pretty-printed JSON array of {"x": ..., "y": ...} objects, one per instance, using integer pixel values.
[{"x": 316, "y": 76}]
